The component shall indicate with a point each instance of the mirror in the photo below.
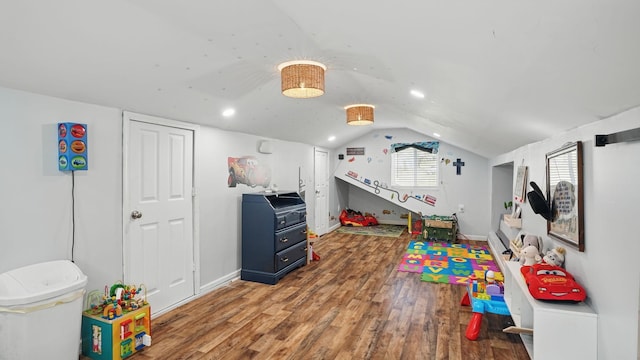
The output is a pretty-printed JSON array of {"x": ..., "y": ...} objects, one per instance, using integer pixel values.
[{"x": 564, "y": 191}]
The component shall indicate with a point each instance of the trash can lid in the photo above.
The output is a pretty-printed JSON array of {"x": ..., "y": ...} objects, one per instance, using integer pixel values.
[{"x": 39, "y": 282}]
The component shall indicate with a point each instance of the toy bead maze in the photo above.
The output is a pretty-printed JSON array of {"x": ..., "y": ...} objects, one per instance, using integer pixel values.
[{"x": 117, "y": 324}]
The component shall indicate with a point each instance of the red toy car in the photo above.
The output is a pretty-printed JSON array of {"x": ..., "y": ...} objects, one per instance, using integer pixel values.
[
  {"x": 350, "y": 217},
  {"x": 550, "y": 282}
]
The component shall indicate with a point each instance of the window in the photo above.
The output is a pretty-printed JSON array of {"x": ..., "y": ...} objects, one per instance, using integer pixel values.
[{"x": 412, "y": 167}]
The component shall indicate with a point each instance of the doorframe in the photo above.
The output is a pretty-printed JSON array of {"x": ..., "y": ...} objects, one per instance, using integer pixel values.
[
  {"x": 328, "y": 176},
  {"x": 127, "y": 118}
]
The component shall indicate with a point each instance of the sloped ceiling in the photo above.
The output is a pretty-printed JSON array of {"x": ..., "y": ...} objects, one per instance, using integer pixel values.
[{"x": 496, "y": 74}]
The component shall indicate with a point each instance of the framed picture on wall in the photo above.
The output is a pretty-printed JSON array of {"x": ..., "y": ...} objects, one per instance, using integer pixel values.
[
  {"x": 565, "y": 194},
  {"x": 520, "y": 187}
]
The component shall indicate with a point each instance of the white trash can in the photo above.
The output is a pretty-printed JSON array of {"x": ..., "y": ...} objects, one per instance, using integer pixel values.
[{"x": 41, "y": 311}]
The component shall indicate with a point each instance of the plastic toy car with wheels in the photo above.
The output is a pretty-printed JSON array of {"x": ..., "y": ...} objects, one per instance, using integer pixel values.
[
  {"x": 550, "y": 282},
  {"x": 350, "y": 217}
]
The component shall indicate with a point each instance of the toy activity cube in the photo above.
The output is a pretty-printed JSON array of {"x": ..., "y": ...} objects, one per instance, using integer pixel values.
[{"x": 116, "y": 325}]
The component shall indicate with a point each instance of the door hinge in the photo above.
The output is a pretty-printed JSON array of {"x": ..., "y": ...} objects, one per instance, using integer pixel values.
[{"x": 193, "y": 192}]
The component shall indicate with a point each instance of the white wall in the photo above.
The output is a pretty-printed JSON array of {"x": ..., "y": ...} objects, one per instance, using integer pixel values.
[
  {"x": 35, "y": 216},
  {"x": 608, "y": 268},
  {"x": 220, "y": 206},
  {"x": 35, "y": 219},
  {"x": 469, "y": 189}
]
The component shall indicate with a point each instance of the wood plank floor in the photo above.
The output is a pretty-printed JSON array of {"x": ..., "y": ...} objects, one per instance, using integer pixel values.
[{"x": 352, "y": 304}]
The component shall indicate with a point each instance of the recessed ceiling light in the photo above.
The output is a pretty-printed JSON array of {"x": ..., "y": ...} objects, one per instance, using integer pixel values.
[
  {"x": 331, "y": 138},
  {"x": 418, "y": 94},
  {"x": 436, "y": 135},
  {"x": 228, "y": 112}
]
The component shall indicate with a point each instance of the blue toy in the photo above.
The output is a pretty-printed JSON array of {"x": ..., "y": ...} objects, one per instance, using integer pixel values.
[{"x": 484, "y": 295}]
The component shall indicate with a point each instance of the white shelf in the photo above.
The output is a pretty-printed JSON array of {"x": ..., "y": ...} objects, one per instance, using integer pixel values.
[
  {"x": 512, "y": 222},
  {"x": 562, "y": 330}
]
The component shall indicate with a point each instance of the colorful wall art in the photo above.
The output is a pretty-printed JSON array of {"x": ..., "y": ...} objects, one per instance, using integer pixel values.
[{"x": 247, "y": 170}]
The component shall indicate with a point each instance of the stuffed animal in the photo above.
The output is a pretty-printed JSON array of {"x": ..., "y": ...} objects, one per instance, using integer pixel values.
[
  {"x": 529, "y": 256},
  {"x": 555, "y": 256},
  {"x": 532, "y": 240},
  {"x": 524, "y": 240}
]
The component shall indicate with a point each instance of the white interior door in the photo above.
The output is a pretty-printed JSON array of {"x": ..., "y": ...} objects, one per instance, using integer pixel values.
[
  {"x": 159, "y": 242},
  {"x": 321, "y": 184}
]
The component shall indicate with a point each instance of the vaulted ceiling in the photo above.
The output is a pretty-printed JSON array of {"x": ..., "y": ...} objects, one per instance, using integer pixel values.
[{"x": 496, "y": 74}]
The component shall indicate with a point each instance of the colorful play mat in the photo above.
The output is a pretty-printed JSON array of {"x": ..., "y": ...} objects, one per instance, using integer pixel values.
[{"x": 448, "y": 263}]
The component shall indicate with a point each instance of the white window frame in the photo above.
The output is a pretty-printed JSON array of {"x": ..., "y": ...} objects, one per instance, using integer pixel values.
[{"x": 426, "y": 176}]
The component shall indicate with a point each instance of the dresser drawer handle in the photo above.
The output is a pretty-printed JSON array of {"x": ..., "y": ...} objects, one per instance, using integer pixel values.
[
  {"x": 284, "y": 260},
  {"x": 283, "y": 221},
  {"x": 284, "y": 240},
  {"x": 304, "y": 231}
]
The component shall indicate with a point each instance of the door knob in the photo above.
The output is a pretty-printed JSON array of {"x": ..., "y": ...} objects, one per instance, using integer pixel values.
[{"x": 135, "y": 214}]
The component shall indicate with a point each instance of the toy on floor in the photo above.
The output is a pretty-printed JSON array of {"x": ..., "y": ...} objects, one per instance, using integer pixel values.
[
  {"x": 350, "y": 217},
  {"x": 117, "y": 323},
  {"x": 116, "y": 301},
  {"x": 487, "y": 295}
]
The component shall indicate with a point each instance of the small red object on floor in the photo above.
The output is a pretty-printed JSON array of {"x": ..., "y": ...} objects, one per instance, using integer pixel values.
[
  {"x": 465, "y": 300},
  {"x": 315, "y": 256},
  {"x": 473, "y": 328}
]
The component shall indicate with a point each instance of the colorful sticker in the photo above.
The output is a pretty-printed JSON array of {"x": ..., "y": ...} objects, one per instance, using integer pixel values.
[
  {"x": 78, "y": 146},
  {"x": 77, "y": 131},
  {"x": 78, "y": 162},
  {"x": 62, "y": 162}
]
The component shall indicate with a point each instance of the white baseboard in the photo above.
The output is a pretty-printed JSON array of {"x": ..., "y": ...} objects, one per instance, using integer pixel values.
[
  {"x": 393, "y": 222},
  {"x": 235, "y": 275},
  {"x": 218, "y": 283},
  {"x": 472, "y": 237},
  {"x": 334, "y": 227}
]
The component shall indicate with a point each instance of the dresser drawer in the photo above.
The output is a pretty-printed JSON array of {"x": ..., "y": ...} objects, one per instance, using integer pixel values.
[
  {"x": 290, "y": 236},
  {"x": 292, "y": 217},
  {"x": 290, "y": 255}
]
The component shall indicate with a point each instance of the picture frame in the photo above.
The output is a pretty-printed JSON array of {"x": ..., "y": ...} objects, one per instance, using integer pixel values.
[
  {"x": 520, "y": 187},
  {"x": 565, "y": 194}
]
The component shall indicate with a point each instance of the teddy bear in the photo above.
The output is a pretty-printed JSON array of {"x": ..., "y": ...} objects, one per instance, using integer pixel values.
[
  {"x": 555, "y": 256},
  {"x": 529, "y": 256}
]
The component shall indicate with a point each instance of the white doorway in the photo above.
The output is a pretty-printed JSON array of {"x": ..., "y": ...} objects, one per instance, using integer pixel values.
[
  {"x": 321, "y": 186},
  {"x": 158, "y": 209}
]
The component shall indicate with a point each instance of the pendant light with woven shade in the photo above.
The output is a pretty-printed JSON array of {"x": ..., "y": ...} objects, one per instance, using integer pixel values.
[
  {"x": 302, "y": 79},
  {"x": 359, "y": 114}
]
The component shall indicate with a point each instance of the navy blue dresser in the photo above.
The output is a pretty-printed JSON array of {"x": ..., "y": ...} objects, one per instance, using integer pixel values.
[{"x": 274, "y": 235}]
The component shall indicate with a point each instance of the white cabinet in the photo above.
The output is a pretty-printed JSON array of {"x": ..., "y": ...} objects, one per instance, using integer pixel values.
[{"x": 561, "y": 330}]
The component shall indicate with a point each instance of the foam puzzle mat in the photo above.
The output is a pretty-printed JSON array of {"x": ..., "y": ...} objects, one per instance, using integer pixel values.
[{"x": 448, "y": 263}]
